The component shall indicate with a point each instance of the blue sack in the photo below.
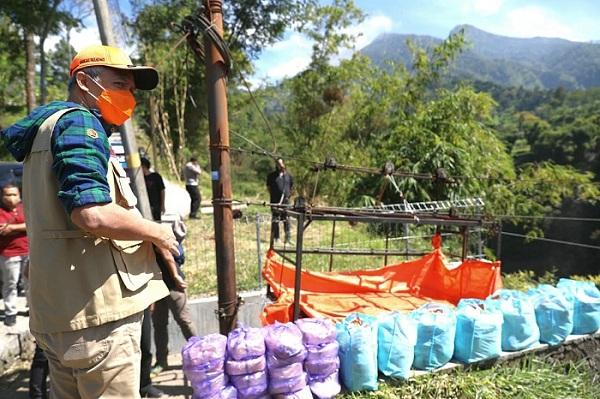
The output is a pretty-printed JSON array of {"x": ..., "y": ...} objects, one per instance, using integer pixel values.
[
  {"x": 357, "y": 336},
  {"x": 553, "y": 313},
  {"x": 519, "y": 329},
  {"x": 397, "y": 336},
  {"x": 586, "y": 305},
  {"x": 436, "y": 328},
  {"x": 478, "y": 331}
]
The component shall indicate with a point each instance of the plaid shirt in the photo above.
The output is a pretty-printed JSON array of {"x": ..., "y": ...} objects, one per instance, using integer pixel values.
[
  {"x": 80, "y": 160},
  {"x": 80, "y": 149}
]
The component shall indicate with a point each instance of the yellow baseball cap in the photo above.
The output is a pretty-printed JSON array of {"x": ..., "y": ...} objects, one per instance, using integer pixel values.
[{"x": 145, "y": 77}]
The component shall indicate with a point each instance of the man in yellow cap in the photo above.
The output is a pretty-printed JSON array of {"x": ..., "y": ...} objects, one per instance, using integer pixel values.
[{"x": 93, "y": 270}]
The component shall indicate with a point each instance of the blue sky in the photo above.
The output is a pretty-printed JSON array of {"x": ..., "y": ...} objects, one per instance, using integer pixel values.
[{"x": 573, "y": 20}]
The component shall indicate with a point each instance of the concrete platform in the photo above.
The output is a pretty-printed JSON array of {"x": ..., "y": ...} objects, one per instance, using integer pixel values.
[{"x": 16, "y": 342}]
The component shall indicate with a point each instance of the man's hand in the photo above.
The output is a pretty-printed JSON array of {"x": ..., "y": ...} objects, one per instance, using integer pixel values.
[
  {"x": 180, "y": 283},
  {"x": 166, "y": 240}
]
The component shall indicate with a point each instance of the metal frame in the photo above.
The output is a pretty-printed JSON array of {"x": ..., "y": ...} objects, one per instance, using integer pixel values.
[{"x": 405, "y": 214}]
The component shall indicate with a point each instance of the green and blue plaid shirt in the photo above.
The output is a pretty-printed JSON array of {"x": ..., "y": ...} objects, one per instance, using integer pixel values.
[{"x": 80, "y": 155}]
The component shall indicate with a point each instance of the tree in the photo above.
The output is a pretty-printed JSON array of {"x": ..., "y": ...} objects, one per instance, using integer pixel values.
[
  {"x": 12, "y": 64},
  {"x": 40, "y": 18},
  {"x": 250, "y": 25}
]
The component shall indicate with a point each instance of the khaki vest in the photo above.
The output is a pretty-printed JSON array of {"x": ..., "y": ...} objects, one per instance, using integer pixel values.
[{"x": 78, "y": 280}]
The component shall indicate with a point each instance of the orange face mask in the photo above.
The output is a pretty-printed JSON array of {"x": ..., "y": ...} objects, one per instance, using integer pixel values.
[{"x": 116, "y": 106}]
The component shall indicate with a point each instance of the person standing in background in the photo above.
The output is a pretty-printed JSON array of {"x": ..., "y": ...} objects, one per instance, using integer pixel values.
[
  {"x": 155, "y": 186},
  {"x": 279, "y": 184},
  {"x": 14, "y": 249},
  {"x": 176, "y": 302},
  {"x": 191, "y": 173}
]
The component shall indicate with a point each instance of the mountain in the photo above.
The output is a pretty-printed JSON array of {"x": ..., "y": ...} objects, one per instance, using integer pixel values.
[{"x": 532, "y": 63}]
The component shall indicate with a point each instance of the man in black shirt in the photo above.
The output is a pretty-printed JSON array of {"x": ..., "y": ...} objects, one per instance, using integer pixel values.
[
  {"x": 156, "y": 189},
  {"x": 280, "y": 184}
]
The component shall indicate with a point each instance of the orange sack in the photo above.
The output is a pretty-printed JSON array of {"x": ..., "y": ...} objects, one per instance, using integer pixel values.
[{"x": 402, "y": 287}]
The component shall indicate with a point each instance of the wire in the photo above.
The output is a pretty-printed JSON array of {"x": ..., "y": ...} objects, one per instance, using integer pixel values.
[
  {"x": 371, "y": 170},
  {"x": 260, "y": 111},
  {"x": 200, "y": 25},
  {"x": 261, "y": 152},
  {"x": 324, "y": 165},
  {"x": 565, "y": 218},
  {"x": 575, "y": 244}
]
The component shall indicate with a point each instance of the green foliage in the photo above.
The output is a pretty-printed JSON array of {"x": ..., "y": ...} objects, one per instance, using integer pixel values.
[
  {"x": 326, "y": 26},
  {"x": 12, "y": 65},
  {"x": 525, "y": 279}
]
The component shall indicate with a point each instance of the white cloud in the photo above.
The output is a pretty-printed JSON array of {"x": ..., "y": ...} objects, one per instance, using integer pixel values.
[
  {"x": 79, "y": 38},
  {"x": 285, "y": 58},
  {"x": 287, "y": 68},
  {"x": 369, "y": 29},
  {"x": 534, "y": 21},
  {"x": 295, "y": 42},
  {"x": 365, "y": 33},
  {"x": 85, "y": 37}
]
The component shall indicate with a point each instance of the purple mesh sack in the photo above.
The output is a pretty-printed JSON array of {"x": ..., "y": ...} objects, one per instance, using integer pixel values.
[
  {"x": 287, "y": 386},
  {"x": 210, "y": 387},
  {"x": 254, "y": 392},
  {"x": 327, "y": 387},
  {"x": 317, "y": 352},
  {"x": 199, "y": 351},
  {"x": 275, "y": 362},
  {"x": 212, "y": 367},
  {"x": 250, "y": 380},
  {"x": 322, "y": 367},
  {"x": 248, "y": 366},
  {"x": 243, "y": 343},
  {"x": 286, "y": 372},
  {"x": 197, "y": 376},
  {"x": 316, "y": 331},
  {"x": 229, "y": 392},
  {"x": 283, "y": 340},
  {"x": 304, "y": 393}
]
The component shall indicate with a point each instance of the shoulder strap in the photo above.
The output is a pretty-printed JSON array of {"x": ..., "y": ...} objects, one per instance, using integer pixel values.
[{"x": 44, "y": 134}]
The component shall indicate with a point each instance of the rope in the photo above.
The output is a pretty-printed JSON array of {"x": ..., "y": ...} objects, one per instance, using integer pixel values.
[{"x": 575, "y": 244}]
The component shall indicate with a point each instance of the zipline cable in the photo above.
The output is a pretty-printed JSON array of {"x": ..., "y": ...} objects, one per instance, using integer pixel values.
[
  {"x": 575, "y": 244},
  {"x": 563, "y": 218}
]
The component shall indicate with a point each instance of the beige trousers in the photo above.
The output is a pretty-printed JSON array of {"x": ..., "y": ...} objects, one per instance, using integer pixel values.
[{"x": 97, "y": 362}]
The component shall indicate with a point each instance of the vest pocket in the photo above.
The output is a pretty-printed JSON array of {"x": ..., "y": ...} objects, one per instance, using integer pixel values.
[
  {"x": 134, "y": 264},
  {"x": 123, "y": 185}
]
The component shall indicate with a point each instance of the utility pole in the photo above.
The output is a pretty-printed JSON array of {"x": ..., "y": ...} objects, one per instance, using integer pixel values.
[
  {"x": 138, "y": 184},
  {"x": 216, "y": 74}
]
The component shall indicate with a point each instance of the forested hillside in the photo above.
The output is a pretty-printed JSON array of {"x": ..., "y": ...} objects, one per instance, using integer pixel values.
[{"x": 531, "y": 63}]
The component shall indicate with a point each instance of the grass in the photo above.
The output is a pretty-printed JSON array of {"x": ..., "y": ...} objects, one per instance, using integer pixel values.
[{"x": 531, "y": 378}]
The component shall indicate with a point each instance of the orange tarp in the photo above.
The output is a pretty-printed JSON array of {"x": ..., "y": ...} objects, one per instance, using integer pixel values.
[{"x": 403, "y": 286}]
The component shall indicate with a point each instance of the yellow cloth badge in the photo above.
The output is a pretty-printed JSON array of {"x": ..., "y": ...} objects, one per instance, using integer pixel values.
[{"x": 92, "y": 133}]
